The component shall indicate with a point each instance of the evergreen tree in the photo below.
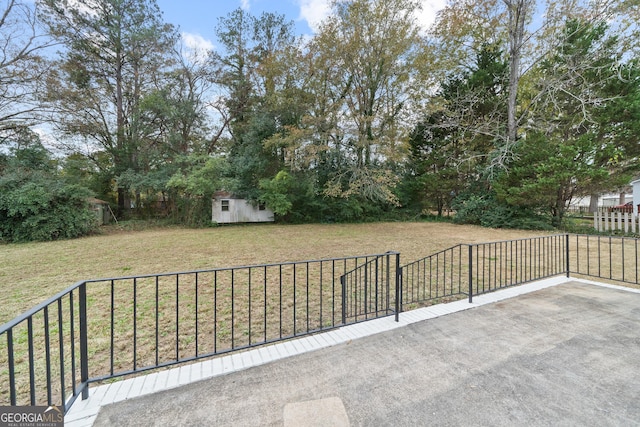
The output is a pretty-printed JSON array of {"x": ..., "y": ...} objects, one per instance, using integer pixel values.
[{"x": 115, "y": 51}]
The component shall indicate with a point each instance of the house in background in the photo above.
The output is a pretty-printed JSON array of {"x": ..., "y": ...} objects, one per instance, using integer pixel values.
[
  {"x": 227, "y": 209},
  {"x": 583, "y": 204},
  {"x": 613, "y": 202},
  {"x": 606, "y": 201},
  {"x": 635, "y": 185}
]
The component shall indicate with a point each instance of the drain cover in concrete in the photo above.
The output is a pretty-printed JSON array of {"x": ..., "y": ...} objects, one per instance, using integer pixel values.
[{"x": 329, "y": 412}]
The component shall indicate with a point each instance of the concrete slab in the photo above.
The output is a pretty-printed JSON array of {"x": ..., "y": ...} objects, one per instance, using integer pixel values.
[
  {"x": 565, "y": 355},
  {"x": 328, "y": 412}
]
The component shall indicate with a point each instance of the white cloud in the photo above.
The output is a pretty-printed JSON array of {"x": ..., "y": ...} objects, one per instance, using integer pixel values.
[
  {"x": 196, "y": 46},
  {"x": 196, "y": 42},
  {"x": 427, "y": 16},
  {"x": 314, "y": 12}
]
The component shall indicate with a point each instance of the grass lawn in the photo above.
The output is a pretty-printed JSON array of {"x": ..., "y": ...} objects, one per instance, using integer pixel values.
[{"x": 30, "y": 273}]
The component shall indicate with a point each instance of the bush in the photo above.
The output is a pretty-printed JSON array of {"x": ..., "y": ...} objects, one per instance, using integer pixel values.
[
  {"x": 192, "y": 187},
  {"x": 44, "y": 210},
  {"x": 36, "y": 203},
  {"x": 487, "y": 211}
]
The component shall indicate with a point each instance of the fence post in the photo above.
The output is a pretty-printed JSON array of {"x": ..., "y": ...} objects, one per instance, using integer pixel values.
[
  {"x": 12, "y": 369},
  {"x": 343, "y": 283},
  {"x": 398, "y": 287},
  {"x": 567, "y": 254},
  {"x": 470, "y": 273},
  {"x": 84, "y": 353}
]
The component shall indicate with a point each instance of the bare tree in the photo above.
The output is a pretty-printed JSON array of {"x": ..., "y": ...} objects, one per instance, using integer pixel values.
[
  {"x": 530, "y": 38},
  {"x": 22, "y": 66},
  {"x": 518, "y": 12}
]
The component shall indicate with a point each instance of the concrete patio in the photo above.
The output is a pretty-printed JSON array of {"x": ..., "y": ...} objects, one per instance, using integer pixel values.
[{"x": 564, "y": 352}]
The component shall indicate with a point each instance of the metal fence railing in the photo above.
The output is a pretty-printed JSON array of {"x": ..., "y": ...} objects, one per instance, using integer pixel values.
[
  {"x": 101, "y": 329},
  {"x": 45, "y": 352},
  {"x": 369, "y": 290},
  {"x": 605, "y": 257},
  {"x": 472, "y": 269},
  {"x": 507, "y": 263},
  {"x": 438, "y": 276}
]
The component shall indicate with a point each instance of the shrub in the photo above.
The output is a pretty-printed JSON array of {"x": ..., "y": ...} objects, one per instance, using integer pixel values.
[
  {"x": 487, "y": 211},
  {"x": 36, "y": 203},
  {"x": 43, "y": 210}
]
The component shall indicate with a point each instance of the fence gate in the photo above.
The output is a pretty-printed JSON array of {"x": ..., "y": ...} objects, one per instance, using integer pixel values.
[{"x": 370, "y": 289}]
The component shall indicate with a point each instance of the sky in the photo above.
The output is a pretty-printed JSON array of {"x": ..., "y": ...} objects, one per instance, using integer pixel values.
[{"x": 198, "y": 18}]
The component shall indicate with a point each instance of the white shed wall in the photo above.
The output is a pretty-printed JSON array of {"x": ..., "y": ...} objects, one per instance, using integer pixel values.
[{"x": 240, "y": 210}]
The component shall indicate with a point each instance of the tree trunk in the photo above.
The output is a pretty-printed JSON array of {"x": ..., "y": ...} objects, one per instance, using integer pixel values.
[
  {"x": 123, "y": 206},
  {"x": 593, "y": 203},
  {"x": 517, "y": 10}
]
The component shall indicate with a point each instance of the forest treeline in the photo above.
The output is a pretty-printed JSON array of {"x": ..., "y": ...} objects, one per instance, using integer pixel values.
[{"x": 502, "y": 110}]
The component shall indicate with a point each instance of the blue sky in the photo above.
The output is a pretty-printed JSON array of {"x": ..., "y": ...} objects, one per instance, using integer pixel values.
[{"x": 198, "y": 18}]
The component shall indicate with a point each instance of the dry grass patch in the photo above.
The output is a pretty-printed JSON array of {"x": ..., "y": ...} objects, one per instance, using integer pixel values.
[{"x": 33, "y": 272}]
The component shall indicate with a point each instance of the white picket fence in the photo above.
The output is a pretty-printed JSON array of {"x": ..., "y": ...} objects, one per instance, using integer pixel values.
[{"x": 611, "y": 221}]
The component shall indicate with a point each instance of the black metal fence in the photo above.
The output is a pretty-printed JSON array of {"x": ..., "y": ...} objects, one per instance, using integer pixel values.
[
  {"x": 473, "y": 269},
  {"x": 438, "y": 276},
  {"x": 368, "y": 291},
  {"x": 605, "y": 257},
  {"x": 102, "y": 329}
]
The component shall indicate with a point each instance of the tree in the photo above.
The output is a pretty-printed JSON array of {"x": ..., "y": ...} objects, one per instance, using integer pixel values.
[
  {"x": 433, "y": 174},
  {"x": 366, "y": 64},
  {"x": 115, "y": 50},
  {"x": 36, "y": 203},
  {"x": 576, "y": 148},
  {"x": 233, "y": 72},
  {"x": 258, "y": 87},
  {"x": 546, "y": 174},
  {"x": 531, "y": 39},
  {"x": 450, "y": 146},
  {"x": 616, "y": 133},
  {"x": 23, "y": 65},
  {"x": 275, "y": 193},
  {"x": 193, "y": 186},
  {"x": 173, "y": 125},
  {"x": 614, "y": 126},
  {"x": 519, "y": 13},
  {"x": 187, "y": 88}
]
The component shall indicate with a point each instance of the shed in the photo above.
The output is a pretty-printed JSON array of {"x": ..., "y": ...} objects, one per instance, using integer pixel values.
[
  {"x": 101, "y": 210},
  {"x": 227, "y": 209}
]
